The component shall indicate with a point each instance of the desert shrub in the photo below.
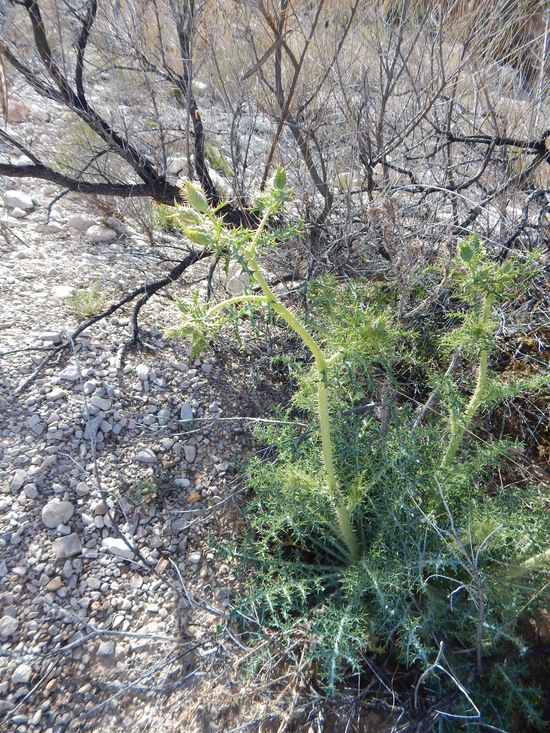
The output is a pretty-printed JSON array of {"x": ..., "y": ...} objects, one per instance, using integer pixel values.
[
  {"x": 375, "y": 529},
  {"x": 88, "y": 302}
]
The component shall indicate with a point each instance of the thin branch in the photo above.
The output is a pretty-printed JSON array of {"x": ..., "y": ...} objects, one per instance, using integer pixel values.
[
  {"x": 150, "y": 288},
  {"x": 164, "y": 192},
  {"x": 496, "y": 140},
  {"x": 43, "y": 89},
  {"x": 22, "y": 148},
  {"x": 81, "y": 48}
]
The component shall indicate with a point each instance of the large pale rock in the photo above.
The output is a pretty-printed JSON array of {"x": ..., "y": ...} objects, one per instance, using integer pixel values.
[
  {"x": 18, "y": 480},
  {"x": 100, "y": 235},
  {"x": 22, "y": 674},
  {"x": 70, "y": 373},
  {"x": 101, "y": 403},
  {"x": 8, "y": 626},
  {"x": 68, "y": 546},
  {"x": 57, "y": 512},
  {"x": 18, "y": 200},
  {"x": 116, "y": 546},
  {"x": 79, "y": 222},
  {"x": 53, "y": 336},
  {"x": 56, "y": 394}
]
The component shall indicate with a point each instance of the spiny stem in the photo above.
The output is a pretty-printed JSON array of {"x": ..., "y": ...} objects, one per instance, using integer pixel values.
[
  {"x": 459, "y": 427},
  {"x": 342, "y": 511},
  {"x": 234, "y": 301}
]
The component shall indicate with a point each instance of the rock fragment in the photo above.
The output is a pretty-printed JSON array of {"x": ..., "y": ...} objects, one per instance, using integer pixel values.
[
  {"x": 70, "y": 373},
  {"x": 147, "y": 455},
  {"x": 50, "y": 336},
  {"x": 8, "y": 626},
  {"x": 68, "y": 546},
  {"x": 57, "y": 512},
  {"x": 186, "y": 412},
  {"x": 22, "y": 674},
  {"x": 101, "y": 403},
  {"x": 163, "y": 416},
  {"x": 190, "y": 453},
  {"x": 54, "y": 584},
  {"x": 100, "y": 234},
  {"x": 143, "y": 372},
  {"x": 18, "y": 480},
  {"x": 56, "y": 394},
  {"x": 116, "y": 546},
  {"x": 19, "y": 200},
  {"x": 79, "y": 222}
]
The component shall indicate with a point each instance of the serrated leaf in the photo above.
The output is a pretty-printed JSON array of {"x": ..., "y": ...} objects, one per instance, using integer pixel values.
[
  {"x": 196, "y": 197},
  {"x": 198, "y": 236},
  {"x": 188, "y": 216},
  {"x": 199, "y": 343},
  {"x": 279, "y": 179},
  {"x": 466, "y": 252}
]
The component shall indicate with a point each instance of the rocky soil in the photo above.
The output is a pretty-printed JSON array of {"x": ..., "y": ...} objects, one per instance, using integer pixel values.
[{"x": 115, "y": 469}]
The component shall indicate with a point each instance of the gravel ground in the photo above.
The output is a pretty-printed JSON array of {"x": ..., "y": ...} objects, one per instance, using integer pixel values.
[{"x": 113, "y": 601}]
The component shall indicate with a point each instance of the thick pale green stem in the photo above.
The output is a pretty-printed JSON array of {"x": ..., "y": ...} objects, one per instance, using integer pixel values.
[
  {"x": 234, "y": 301},
  {"x": 342, "y": 511},
  {"x": 459, "y": 427}
]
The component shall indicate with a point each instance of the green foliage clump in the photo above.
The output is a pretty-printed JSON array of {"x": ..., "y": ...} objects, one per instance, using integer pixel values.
[
  {"x": 163, "y": 218},
  {"x": 147, "y": 490},
  {"x": 217, "y": 161},
  {"x": 89, "y": 302},
  {"x": 365, "y": 527},
  {"x": 447, "y": 569}
]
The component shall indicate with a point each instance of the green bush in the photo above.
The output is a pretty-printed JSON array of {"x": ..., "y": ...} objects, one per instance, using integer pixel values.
[
  {"x": 89, "y": 302},
  {"x": 162, "y": 217},
  {"x": 379, "y": 532}
]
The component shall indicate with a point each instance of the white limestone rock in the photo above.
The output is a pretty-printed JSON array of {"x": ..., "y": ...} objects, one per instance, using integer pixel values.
[
  {"x": 57, "y": 512},
  {"x": 22, "y": 674},
  {"x": 68, "y": 546},
  {"x": 8, "y": 626},
  {"x": 100, "y": 235},
  {"x": 116, "y": 546},
  {"x": 79, "y": 222},
  {"x": 19, "y": 200}
]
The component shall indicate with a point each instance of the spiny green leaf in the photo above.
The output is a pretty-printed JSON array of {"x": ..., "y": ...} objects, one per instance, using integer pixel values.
[
  {"x": 196, "y": 197},
  {"x": 279, "y": 179},
  {"x": 188, "y": 216},
  {"x": 199, "y": 343},
  {"x": 466, "y": 252},
  {"x": 199, "y": 236}
]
